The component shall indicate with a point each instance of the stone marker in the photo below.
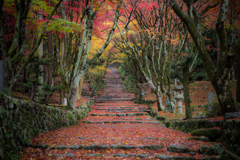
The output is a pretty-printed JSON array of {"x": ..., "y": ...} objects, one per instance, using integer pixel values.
[
  {"x": 210, "y": 100},
  {"x": 179, "y": 97}
]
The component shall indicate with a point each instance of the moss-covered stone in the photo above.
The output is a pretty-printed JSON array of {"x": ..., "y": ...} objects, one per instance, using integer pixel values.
[
  {"x": 216, "y": 149},
  {"x": 210, "y": 133},
  {"x": 231, "y": 135},
  {"x": 71, "y": 118},
  {"x": 22, "y": 120},
  {"x": 190, "y": 125},
  {"x": 205, "y": 139}
]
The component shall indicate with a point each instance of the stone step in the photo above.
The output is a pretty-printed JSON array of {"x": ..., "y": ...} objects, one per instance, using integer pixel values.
[
  {"x": 112, "y": 109},
  {"x": 162, "y": 157},
  {"x": 143, "y": 122},
  {"x": 100, "y": 147},
  {"x": 116, "y": 105},
  {"x": 119, "y": 110},
  {"x": 146, "y": 148},
  {"x": 119, "y": 114},
  {"x": 113, "y": 99},
  {"x": 157, "y": 156}
]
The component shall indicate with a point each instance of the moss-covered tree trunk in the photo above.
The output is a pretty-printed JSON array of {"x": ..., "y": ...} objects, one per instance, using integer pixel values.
[
  {"x": 83, "y": 63},
  {"x": 187, "y": 101},
  {"x": 1, "y": 73},
  {"x": 224, "y": 94},
  {"x": 238, "y": 79},
  {"x": 139, "y": 96},
  {"x": 50, "y": 52},
  {"x": 159, "y": 100},
  {"x": 73, "y": 91},
  {"x": 172, "y": 102},
  {"x": 79, "y": 92},
  {"x": 15, "y": 61}
]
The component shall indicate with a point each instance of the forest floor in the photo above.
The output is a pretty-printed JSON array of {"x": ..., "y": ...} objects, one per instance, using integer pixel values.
[{"x": 116, "y": 128}]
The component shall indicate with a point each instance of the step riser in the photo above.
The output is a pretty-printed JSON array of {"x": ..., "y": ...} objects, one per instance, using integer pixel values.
[
  {"x": 143, "y": 122},
  {"x": 116, "y": 115}
]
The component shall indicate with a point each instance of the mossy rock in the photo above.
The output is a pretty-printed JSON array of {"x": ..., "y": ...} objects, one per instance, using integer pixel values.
[
  {"x": 223, "y": 157},
  {"x": 216, "y": 149},
  {"x": 210, "y": 133},
  {"x": 72, "y": 119},
  {"x": 204, "y": 139}
]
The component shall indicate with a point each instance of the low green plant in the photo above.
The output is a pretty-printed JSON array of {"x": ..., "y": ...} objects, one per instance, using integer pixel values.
[
  {"x": 238, "y": 105},
  {"x": 215, "y": 109},
  {"x": 192, "y": 106}
]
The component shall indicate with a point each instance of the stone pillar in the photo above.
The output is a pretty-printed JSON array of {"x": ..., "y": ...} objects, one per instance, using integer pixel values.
[
  {"x": 179, "y": 97},
  {"x": 210, "y": 100},
  {"x": 179, "y": 106}
]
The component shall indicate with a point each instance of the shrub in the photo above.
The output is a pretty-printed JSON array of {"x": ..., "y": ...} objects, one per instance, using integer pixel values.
[{"x": 215, "y": 110}]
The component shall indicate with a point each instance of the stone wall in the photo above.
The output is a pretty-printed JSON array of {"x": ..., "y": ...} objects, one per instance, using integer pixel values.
[
  {"x": 229, "y": 135},
  {"x": 22, "y": 120},
  {"x": 190, "y": 125}
]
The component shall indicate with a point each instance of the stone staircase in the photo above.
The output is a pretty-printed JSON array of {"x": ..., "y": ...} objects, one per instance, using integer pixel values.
[{"x": 116, "y": 128}]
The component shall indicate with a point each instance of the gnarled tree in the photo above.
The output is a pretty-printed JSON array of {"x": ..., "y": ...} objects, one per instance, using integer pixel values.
[{"x": 218, "y": 74}]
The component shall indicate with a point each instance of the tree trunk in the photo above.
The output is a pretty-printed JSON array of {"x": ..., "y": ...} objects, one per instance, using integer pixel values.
[
  {"x": 233, "y": 74},
  {"x": 238, "y": 79},
  {"x": 63, "y": 97},
  {"x": 50, "y": 52},
  {"x": 218, "y": 51},
  {"x": 1, "y": 74},
  {"x": 73, "y": 90},
  {"x": 79, "y": 92},
  {"x": 41, "y": 67},
  {"x": 187, "y": 101},
  {"x": 25, "y": 79},
  {"x": 8, "y": 76},
  {"x": 159, "y": 101},
  {"x": 217, "y": 75},
  {"x": 139, "y": 95},
  {"x": 83, "y": 56},
  {"x": 225, "y": 97}
]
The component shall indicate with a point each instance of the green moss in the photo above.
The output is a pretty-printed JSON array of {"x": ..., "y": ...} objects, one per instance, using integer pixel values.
[
  {"x": 238, "y": 105},
  {"x": 71, "y": 118},
  {"x": 26, "y": 120},
  {"x": 216, "y": 149},
  {"x": 210, "y": 133},
  {"x": 205, "y": 139}
]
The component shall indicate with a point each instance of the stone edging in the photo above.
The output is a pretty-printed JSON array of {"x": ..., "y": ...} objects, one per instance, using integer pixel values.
[{"x": 22, "y": 120}]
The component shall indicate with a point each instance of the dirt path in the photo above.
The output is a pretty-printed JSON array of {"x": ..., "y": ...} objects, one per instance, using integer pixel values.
[{"x": 116, "y": 128}]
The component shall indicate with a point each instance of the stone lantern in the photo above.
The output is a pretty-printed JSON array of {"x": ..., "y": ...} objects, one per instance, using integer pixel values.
[{"x": 178, "y": 97}]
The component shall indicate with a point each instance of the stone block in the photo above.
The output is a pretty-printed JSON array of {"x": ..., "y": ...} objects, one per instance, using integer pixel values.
[{"x": 178, "y": 148}]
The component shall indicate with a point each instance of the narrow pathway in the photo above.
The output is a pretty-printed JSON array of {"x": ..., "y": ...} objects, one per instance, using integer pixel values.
[
  {"x": 116, "y": 128},
  {"x": 115, "y": 106}
]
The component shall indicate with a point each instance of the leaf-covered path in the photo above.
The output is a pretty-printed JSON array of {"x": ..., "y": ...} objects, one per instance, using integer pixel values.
[{"x": 116, "y": 128}]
